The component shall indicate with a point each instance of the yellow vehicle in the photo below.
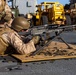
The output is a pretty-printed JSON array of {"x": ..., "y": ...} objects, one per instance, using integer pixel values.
[{"x": 50, "y": 13}]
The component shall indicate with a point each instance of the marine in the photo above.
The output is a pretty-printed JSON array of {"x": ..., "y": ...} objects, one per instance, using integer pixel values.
[{"x": 10, "y": 37}]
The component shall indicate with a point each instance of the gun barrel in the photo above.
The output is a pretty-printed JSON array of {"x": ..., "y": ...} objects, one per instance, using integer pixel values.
[{"x": 43, "y": 29}]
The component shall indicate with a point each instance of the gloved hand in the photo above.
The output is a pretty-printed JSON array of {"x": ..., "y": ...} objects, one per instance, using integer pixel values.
[{"x": 36, "y": 39}]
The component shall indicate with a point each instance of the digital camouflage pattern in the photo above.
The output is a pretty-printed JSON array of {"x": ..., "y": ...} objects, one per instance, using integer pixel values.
[
  {"x": 5, "y": 13},
  {"x": 10, "y": 37},
  {"x": 8, "y": 13},
  {"x": 2, "y": 5}
]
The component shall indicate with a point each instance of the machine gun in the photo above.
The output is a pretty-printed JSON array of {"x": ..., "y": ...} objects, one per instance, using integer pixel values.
[{"x": 45, "y": 31}]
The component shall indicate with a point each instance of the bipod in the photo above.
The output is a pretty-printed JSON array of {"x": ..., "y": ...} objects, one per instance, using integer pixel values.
[{"x": 51, "y": 38}]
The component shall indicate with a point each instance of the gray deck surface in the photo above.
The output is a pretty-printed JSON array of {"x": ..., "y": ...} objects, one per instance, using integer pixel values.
[{"x": 57, "y": 67}]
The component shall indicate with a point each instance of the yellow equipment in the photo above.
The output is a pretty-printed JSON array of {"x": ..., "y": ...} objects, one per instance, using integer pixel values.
[{"x": 50, "y": 13}]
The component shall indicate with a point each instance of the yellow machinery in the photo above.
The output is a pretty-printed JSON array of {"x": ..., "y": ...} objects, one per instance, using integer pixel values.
[{"x": 50, "y": 12}]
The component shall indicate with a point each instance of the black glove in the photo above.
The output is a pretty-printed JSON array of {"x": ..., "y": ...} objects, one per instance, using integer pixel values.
[{"x": 26, "y": 39}]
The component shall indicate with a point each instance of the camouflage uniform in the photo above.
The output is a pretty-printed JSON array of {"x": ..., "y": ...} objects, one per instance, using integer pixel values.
[
  {"x": 10, "y": 37},
  {"x": 5, "y": 14}
]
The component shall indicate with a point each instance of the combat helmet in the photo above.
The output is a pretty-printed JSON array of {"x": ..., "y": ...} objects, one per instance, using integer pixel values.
[{"x": 20, "y": 23}]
